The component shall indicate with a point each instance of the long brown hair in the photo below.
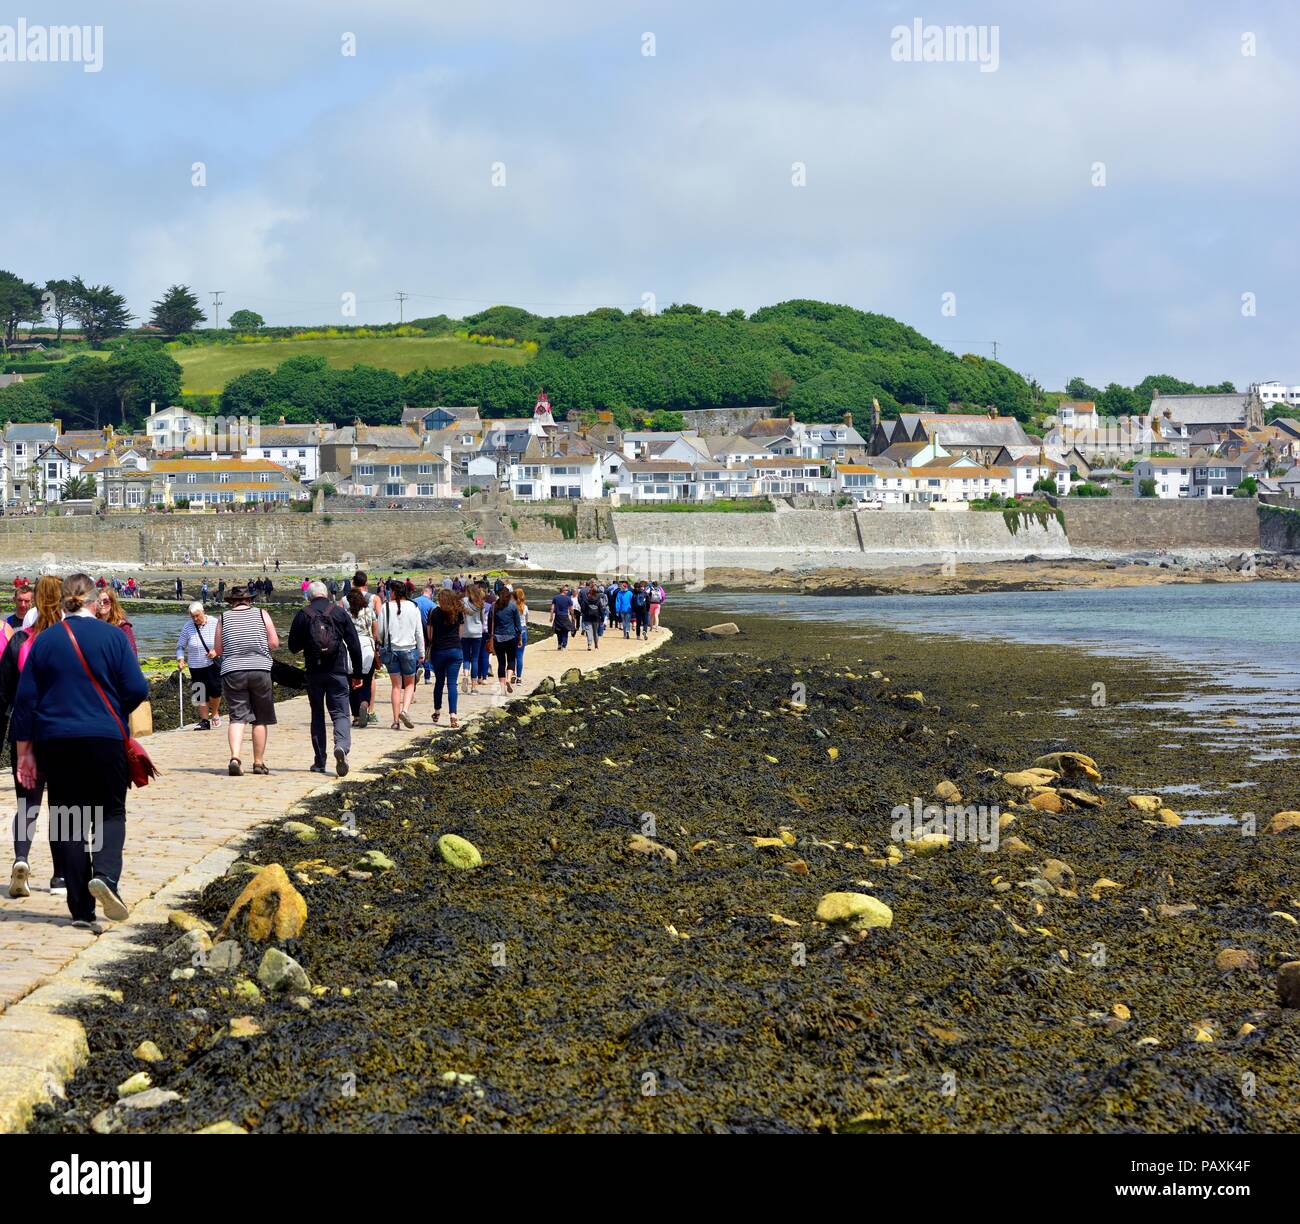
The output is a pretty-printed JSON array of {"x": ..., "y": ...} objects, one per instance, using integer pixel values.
[
  {"x": 520, "y": 602},
  {"x": 477, "y": 594},
  {"x": 47, "y": 600},
  {"x": 115, "y": 614},
  {"x": 450, "y": 604}
]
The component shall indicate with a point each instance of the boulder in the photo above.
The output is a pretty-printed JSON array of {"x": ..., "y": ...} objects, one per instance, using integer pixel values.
[
  {"x": 856, "y": 910},
  {"x": 1070, "y": 765},
  {"x": 225, "y": 956},
  {"x": 1229, "y": 960},
  {"x": 303, "y": 832},
  {"x": 147, "y": 1051},
  {"x": 571, "y": 675},
  {"x": 1284, "y": 822},
  {"x": 1288, "y": 984},
  {"x": 188, "y": 922},
  {"x": 273, "y": 904},
  {"x": 375, "y": 860},
  {"x": 726, "y": 629},
  {"x": 1144, "y": 803},
  {"x": 224, "y": 1127},
  {"x": 1047, "y": 801},
  {"x": 947, "y": 791},
  {"x": 640, "y": 844},
  {"x": 1081, "y": 798},
  {"x": 1029, "y": 777}
]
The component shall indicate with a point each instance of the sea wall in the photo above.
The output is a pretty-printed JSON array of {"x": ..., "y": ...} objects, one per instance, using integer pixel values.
[{"x": 1107, "y": 524}]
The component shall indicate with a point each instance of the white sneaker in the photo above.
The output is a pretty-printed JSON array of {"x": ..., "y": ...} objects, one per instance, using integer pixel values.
[
  {"x": 113, "y": 905},
  {"x": 18, "y": 878}
]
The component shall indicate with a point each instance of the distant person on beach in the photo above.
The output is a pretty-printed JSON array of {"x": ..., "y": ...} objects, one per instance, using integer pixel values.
[
  {"x": 197, "y": 649},
  {"x": 48, "y": 597},
  {"x": 562, "y": 616},
  {"x": 471, "y": 636},
  {"x": 657, "y": 598},
  {"x": 641, "y": 610},
  {"x": 180, "y": 588},
  {"x": 592, "y": 615},
  {"x": 506, "y": 633},
  {"x": 323, "y": 633},
  {"x": 521, "y": 605},
  {"x": 623, "y": 606},
  {"x": 424, "y": 601},
  {"x": 78, "y": 688},
  {"x": 245, "y": 638},
  {"x": 22, "y": 605}
]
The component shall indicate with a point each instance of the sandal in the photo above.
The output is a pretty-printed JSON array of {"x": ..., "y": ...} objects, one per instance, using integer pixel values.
[
  {"x": 395, "y": 727},
  {"x": 260, "y": 769},
  {"x": 454, "y": 722},
  {"x": 235, "y": 769}
]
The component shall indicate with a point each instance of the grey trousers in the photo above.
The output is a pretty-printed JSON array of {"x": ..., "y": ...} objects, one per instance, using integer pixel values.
[{"x": 329, "y": 691}]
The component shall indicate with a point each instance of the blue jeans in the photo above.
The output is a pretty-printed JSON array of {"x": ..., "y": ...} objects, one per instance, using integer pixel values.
[
  {"x": 519, "y": 653},
  {"x": 446, "y": 670},
  {"x": 626, "y": 618},
  {"x": 469, "y": 648},
  {"x": 483, "y": 664}
]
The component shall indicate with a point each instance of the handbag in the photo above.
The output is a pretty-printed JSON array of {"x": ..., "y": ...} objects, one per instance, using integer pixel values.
[
  {"x": 385, "y": 647},
  {"x": 140, "y": 720},
  {"x": 139, "y": 768}
]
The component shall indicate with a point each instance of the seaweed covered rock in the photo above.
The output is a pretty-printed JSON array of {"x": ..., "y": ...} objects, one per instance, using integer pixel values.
[
  {"x": 279, "y": 972},
  {"x": 274, "y": 907},
  {"x": 459, "y": 853},
  {"x": 855, "y": 910}
]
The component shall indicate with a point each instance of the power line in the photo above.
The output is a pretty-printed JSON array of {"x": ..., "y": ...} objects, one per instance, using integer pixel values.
[
  {"x": 401, "y": 306},
  {"x": 216, "y": 308}
]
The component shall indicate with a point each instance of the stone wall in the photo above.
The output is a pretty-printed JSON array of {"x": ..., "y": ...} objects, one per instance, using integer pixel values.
[{"x": 1108, "y": 524}]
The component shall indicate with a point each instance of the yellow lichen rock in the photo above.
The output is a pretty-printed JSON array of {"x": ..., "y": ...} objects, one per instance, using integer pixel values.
[
  {"x": 274, "y": 907},
  {"x": 1144, "y": 803},
  {"x": 1030, "y": 777},
  {"x": 1070, "y": 765}
]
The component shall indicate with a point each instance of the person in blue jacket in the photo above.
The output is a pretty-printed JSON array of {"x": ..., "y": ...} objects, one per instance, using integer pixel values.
[
  {"x": 623, "y": 606},
  {"x": 74, "y": 738}
]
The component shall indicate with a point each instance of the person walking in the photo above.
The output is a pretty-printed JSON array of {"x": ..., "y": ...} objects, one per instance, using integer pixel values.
[
  {"x": 245, "y": 638},
  {"x": 611, "y": 599},
  {"x": 471, "y": 636},
  {"x": 484, "y": 669},
  {"x": 521, "y": 603},
  {"x": 590, "y": 610},
  {"x": 196, "y": 648},
  {"x": 443, "y": 630},
  {"x": 78, "y": 687},
  {"x": 424, "y": 601},
  {"x": 656, "y": 602},
  {"x": 623, "y": 606},
  {"x": 180, "y": 589},
  {"x": 48, "y": 597},
  {"x": 401, "y": 637},
  {"x": 562, "y": 617},
  {"x": 109, "y": 608},
  {"x": 361, "y": 696},
  {"x": 641, "y": 610},
  {"x": 506, "y": 630},
  {"x": 323, "y": 633}
]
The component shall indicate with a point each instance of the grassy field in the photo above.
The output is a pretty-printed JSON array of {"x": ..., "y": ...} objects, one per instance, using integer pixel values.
[{"x": 208, "y": 367}]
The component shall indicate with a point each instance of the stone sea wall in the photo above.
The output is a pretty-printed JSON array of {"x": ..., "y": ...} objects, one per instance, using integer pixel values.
[{"x": 1111, "y": 524}]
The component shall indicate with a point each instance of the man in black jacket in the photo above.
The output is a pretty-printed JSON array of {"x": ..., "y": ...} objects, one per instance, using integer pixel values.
[{"x": 323, "y": 633}]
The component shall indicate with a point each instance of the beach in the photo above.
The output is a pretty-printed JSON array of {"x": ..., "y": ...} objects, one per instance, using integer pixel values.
[{"x": 640, "y": 949}]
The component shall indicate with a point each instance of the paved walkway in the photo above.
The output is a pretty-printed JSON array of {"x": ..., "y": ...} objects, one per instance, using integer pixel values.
[{"x": 182, "y": 832}]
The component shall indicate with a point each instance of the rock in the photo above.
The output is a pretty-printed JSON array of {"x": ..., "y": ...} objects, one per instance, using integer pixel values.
[
  {"x": 1082, "y": 798},
  {"x": 1025, "y": 778},
  {"x": 194, "y": 942},
  {"x": 1070, "y": 765},
  {"x": 1201, "y": 1030},
  {"x": 854, "y": 909},
  {"x": 1121, "y": 1012},
  {"x": 353, "y": 874},
  {"x": 571, "y": 675},
  {"x": 189, "y": 922},
  {"x": 225, "y": 956},
  {"x": 303, "y": 832},
  {"x": 246, "y": 990},
  {"x": 147, "y": 1051},
  {"x": 375, "y": 860},
  {"x": 545, "y": 685},
  {"x": 182, "y": 975},
  {"x": 135, "y": 1083},
  {"x": 726, "y": 629},
  {"x": 1144, "y": 803},
  {"x": 1229, "y": 960},
  {"x": 913, "y": 700},
  {"x": 1016, "y": 845},
  {"x": 280, "y": 972},
  {"x": 1059, "y": 873},
  {"x": 243, "y": 1026},
  {"x": 459, "y": 853},
  {"x": 1288, "y": 984},
  {"x": 273, "y": 904},
  {"x": 224, "y": 1127},
  {"x": 928, "y": 843},
  {"x": 639, "y": 844},
  {"x": 1284, "y": 822},
  {"x": 948, "y": 792},
  {"x": 1047, "y": 801},
  {"x": 1174, "y": 911},
  {"x": 1169, "y": 817},
  {"x": 762, "y": 842}
]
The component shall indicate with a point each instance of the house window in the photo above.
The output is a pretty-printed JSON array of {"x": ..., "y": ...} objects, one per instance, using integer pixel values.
[
  {"x": 426, "y": 469},
  {"x": 395, "y": 470},
  {"x": 191, "y": 478},
  {"x": 223, "y": 477},
  {"x": 424, "y": 490},
  {"x": 394, "y": 489},
  {"x": 365, "y": 469},
  {"x": 524, "y": 490},
  {"x": 135, "y": 497}
]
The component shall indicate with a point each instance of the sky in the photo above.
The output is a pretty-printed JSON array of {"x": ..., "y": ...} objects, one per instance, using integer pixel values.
[{"x": 1112, "y": 194}]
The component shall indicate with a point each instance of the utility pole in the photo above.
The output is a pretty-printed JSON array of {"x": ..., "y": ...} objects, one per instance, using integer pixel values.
[
  {"x": 995, "y": 350},
  {"x": 216, "y": 308},
  {"x": 401, "y": 306}
]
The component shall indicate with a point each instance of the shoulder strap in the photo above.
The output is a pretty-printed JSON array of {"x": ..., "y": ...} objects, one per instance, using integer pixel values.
[{"x": 72, "y": 637}]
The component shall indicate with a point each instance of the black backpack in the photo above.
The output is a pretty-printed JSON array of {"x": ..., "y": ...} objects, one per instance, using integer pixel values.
[{"x": 324, "y": 634}]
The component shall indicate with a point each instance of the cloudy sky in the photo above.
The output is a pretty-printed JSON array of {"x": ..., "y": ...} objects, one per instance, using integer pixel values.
[{"x": 673, "y": 174}]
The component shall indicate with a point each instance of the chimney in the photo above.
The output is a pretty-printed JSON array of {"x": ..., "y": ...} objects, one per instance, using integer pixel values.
[
  {"x": 153, "y": 407},
  {"x": 992, "y": 412},
  {"x": 848, "y": 419}
]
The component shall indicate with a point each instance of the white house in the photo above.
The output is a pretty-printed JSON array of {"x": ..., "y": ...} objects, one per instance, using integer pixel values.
[
  {"x": 296, "y": 447},
  {"x": 537, "y": 477},
  {"x": 22, "y": 444},
  {"x": 1173, "y": 477},
  {"x": 168, "y": 428}
]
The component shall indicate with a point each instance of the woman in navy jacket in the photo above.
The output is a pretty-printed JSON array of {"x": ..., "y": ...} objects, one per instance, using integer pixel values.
[{"x": 64, "y": 732}]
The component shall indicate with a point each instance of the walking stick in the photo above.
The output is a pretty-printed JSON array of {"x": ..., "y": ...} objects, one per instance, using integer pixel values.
[{"x": 180, "y": 695}]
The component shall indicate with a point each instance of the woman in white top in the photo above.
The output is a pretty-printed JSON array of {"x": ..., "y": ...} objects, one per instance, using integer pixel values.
[{"x": 400, "y": 632}]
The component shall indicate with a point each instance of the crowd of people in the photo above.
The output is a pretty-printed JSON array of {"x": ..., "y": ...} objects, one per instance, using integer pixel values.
[{"x": 71, "y": 686}]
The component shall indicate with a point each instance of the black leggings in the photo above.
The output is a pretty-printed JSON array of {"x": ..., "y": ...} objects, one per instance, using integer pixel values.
[
  {"x": 505, "y": 657},
  {"x": 29, "y": 807},
  {"x": 86, "y": 779}
]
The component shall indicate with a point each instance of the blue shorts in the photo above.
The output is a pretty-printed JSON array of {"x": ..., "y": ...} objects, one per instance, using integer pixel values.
[{"x": 404, "y": 662}]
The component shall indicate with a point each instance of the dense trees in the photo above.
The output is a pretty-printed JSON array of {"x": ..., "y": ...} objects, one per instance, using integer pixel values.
[
  {"x": 20, "y": 302},
  {"x": 246, "y": 321},
  {"x": 100, "y": 310},
  {"x": 1118, "y": 400},
  {"x": 89, "y": 393},
  {"x": 306, "y": 389},
  {"x": 177, "y": 311}
]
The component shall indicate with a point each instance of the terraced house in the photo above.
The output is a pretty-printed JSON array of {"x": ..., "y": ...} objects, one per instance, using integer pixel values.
[
  {"x": 399, "y": 473},
  {"x": 219, "y": 480}
]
